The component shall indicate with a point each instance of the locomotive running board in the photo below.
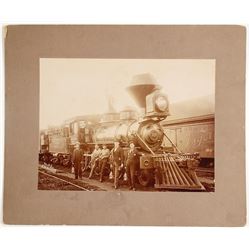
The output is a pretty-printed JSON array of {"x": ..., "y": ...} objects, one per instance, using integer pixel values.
[{"x": 170, "y": 176}]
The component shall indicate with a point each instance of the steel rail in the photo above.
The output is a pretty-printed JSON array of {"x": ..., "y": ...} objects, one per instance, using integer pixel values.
[{"x": 63, "y": 180}]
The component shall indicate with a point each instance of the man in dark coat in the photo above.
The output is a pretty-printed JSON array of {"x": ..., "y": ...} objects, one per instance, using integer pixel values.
[
  {"x": 117, "y": 161},
  {"x": 77, "y": 161},
  {"x": 131, "y": 164}
]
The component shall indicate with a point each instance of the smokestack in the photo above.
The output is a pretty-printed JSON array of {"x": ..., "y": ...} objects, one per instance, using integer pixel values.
[{"x": 142, "y": 85}]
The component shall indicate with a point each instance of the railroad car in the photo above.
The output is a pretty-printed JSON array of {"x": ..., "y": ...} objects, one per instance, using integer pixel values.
[{"x": 191, "y": 128}]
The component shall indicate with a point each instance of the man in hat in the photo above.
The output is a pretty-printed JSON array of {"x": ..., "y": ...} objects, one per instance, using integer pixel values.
[
  {"x": 94, "y": 159},
  {"x": 77, "y": 161},
  {"x": 131, "y": 164},
  {"x": 117, "y": 161},
  {"x": 103, "y": 160}
]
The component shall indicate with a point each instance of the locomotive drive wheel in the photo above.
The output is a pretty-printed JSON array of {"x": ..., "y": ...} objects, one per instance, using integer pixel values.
[
  {"x": 55, "y": 161},
  {"x": 45, "y": 158},
  {"x": 145, "y": 177}
]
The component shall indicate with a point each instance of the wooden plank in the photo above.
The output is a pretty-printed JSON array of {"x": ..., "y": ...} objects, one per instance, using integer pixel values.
[
  {"x": 162, "y": 170},
  {"x": 176, "y": 181},
  {"x": 174, "y": 175},
  {"x": 166, "y": 171},
  {"x": 170, "y": 175},
  {"x": 179, "y": 171},
  {"x": 183, "y": 176},
  {"x": 188, "y": 178},
  {"x": 175, "y": 167}
]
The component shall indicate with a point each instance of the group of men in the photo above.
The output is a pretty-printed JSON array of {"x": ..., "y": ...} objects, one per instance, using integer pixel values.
[{"x": 119, "y": 162}]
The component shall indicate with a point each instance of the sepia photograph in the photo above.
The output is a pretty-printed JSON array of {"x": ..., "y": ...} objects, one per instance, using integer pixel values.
[
  {"x": 127, "y": 125},
  {"x": 124, "y": 122}
]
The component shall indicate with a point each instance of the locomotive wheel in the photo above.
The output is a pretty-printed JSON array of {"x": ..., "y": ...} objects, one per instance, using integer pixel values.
[
  {"x": 55, "y": 161},
  {"x": 45, "y": 159},
  {"x": 145, "y": 177}
]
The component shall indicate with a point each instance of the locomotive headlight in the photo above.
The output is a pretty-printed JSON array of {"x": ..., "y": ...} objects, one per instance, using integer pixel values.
[{"x": 161, "y": 103}]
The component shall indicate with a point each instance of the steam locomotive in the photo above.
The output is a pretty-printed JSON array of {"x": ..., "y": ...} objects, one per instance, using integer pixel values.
[{"x": 157, "y": 166}]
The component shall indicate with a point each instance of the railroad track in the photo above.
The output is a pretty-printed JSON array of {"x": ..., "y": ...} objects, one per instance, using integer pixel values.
[
  {"x": 68, "y": 182},
  {"x": 92, "y": 185}
]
